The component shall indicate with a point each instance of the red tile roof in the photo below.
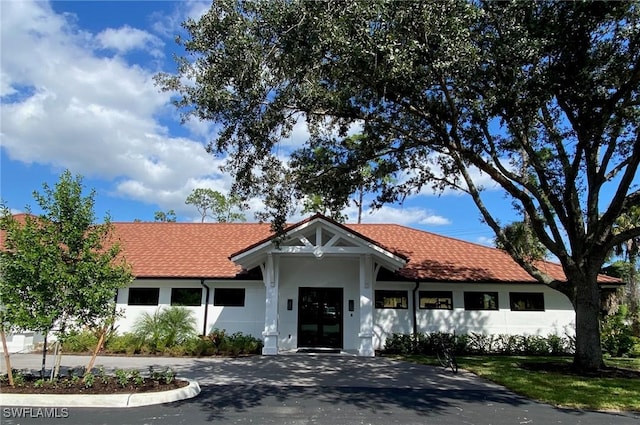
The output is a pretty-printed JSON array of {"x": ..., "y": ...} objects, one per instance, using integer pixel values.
[
  {"x": 202, "y": 250},
  {"x": 197, "y": 250}
]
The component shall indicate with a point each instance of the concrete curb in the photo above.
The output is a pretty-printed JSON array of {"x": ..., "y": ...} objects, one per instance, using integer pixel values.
[{"x": 100, "y": 400}]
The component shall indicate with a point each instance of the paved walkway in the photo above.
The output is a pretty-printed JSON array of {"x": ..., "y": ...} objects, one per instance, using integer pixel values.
[
  {"x": 322, "y": 389},
  {"x": 287, "y": 370}
]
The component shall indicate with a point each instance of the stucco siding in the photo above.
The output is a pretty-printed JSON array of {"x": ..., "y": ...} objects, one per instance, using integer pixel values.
[
  {"x": 131, "y": 313},
  {"x": 248, "y": 319},
  {"x": 557, "y": 318}
]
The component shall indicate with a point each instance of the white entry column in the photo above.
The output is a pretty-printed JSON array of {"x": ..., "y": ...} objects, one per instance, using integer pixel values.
[
  {"x": 366, "y": 307},
  {"x": 270, "y": 333}
]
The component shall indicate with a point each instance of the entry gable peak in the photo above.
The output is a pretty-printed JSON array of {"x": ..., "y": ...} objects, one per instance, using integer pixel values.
[{"x": 318, "y": 236}]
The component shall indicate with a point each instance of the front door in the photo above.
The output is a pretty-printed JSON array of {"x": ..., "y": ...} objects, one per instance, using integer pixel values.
[{"x": 320, "y": 317}]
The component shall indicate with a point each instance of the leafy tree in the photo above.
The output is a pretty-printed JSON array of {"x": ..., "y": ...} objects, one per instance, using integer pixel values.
[
  {"x": 60, "y": 271},
  {"x": 317, "y": 197},
  {"x": 165, "y": 217},
  {"x": 211, "y": 203},
  {"x": 630, "y": 250},
  {"x": 523, "y": 240},
  {"x": 542, "y": 97}
]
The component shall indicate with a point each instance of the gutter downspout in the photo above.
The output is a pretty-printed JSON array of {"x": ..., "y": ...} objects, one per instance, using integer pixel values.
[
  {"x": 415, "y": 308},
  {"x": 206, "y": 307}
]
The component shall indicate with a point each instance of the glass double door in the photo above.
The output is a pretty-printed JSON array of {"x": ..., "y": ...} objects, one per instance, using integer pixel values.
[{"x": 320, "y": 317}]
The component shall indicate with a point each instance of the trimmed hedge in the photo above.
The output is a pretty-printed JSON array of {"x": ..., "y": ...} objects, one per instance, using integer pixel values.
[
  {"x": 476, "y": 343},
  {"x": 216, "y": 343}
]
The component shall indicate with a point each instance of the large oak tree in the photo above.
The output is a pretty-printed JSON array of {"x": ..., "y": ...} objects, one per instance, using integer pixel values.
[{"x": 540, "y": 96}]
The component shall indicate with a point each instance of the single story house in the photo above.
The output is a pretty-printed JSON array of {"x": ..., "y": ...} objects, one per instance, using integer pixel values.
[{"x": 324, "y": 284}]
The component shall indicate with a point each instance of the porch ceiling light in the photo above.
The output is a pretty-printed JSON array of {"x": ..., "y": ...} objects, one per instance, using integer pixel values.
[{"x": 318, "y": 252}]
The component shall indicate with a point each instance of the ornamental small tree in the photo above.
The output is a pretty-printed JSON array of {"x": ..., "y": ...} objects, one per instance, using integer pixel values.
[{"x": 59, "y": 271}]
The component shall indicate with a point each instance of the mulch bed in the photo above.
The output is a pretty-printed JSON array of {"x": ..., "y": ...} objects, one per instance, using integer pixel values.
[
  {"x": 111, "y": 386},
  {"x": 568, "y": 369}
]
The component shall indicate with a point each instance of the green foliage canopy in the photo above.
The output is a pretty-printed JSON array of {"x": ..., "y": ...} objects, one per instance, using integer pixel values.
[
  {"x": 214, "y": 204},
  {"x": 59, "y": 271},
  {"x": 540, "y": 96},
  {"x": 165, "y": 217}
]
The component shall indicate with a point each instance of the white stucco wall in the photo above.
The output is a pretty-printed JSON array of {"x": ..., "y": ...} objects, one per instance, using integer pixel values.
[
  {"x": 23, "y": 342},
  {"x": 333, "y": 272},
  {"x": 558, "y": 317},
  {"x": 248, "y": 319}
]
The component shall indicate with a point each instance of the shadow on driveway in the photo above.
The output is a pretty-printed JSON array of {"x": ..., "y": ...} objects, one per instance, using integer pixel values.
[{"x": 378, "y": 386}]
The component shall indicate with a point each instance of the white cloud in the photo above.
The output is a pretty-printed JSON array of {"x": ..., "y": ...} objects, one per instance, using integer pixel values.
[
  {"x": 483, "y": 240},
  {"x": 67, "y": 105},
  {"x": 168, "y": 25},
  {"x": 480, "y": 179},
  {"x": 399, "y": 215},
  {"x": 97, "y": 116},
  {"x": 126, "y": 39}
]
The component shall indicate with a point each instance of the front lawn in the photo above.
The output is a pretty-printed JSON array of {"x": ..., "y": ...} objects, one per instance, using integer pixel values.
[{"x": 549, "y": 380}]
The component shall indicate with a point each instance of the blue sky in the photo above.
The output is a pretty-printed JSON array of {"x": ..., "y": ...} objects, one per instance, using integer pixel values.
[{"x": 77, "y": 93}]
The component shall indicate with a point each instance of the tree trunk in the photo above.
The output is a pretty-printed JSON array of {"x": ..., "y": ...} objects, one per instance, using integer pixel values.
[
  {"x": 92, "y": 361},
  {"x": 44, "y": 354},
  {"x": 360, "y": 200},
  {"x": 56, "y": 368},
  {"x": 7, "y": 359},
  {"x": 634, "y": 302},
  {"x": 588, "y": 355}
]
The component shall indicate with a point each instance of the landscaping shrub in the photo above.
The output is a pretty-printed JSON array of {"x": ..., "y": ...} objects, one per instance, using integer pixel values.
[
  {"x": 557, "y": 345},
  {"x": 246, "y": 344},
  {"x": 164, "y": 329},
  {"x": 481, "y": 343},
  {"x": 535, "y": 345},
  {"x": 216, "y": 343},
  {"x": 79, "y": 342},
  {"x": 617, "y": 335},
  {"x": 127, "y": 343},
  {"x": 476, "y": 343},
  {"x": 399, "y": 344}
]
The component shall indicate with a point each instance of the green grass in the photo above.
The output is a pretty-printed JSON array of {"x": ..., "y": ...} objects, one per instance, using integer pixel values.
[{"x": 559, "y": 389}]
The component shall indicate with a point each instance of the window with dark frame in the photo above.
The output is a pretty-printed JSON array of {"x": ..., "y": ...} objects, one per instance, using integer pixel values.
[
  {"x": 481, "y": 301},
  {"x": 526, "y": 301},
  {"x": 228, "y": 297},
  {"x": 436, "y": 300},
  {"x": 392, "y": 299},
  {"x": 186, "y": 296},
  {"x": 143, "y": 296}
]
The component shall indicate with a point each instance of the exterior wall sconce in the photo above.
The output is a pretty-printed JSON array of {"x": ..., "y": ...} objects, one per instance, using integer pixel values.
[
  {"x": 289, "y": 304},
  {"x": 351, "y": 305}
]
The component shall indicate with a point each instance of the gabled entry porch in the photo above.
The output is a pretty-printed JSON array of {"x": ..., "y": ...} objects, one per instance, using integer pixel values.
[{"x": 319, "y": 279}]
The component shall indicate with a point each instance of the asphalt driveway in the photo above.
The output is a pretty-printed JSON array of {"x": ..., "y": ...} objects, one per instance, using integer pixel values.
[{"x": 320, "y": 389}]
